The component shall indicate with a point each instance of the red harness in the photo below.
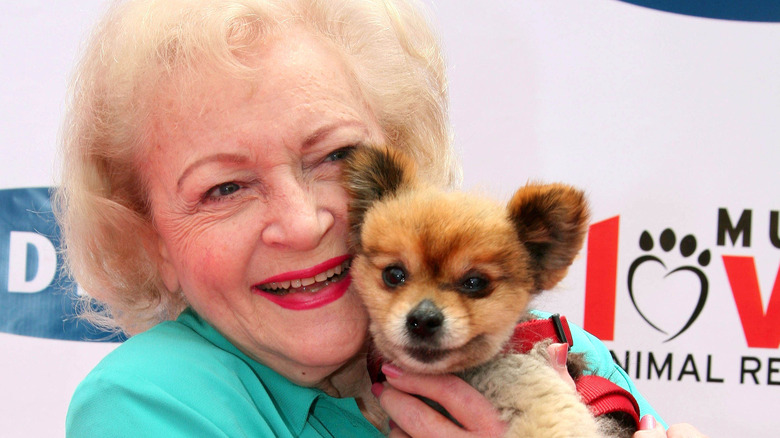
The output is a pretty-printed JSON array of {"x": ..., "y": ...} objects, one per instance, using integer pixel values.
[{"x": 601, "y": 395}]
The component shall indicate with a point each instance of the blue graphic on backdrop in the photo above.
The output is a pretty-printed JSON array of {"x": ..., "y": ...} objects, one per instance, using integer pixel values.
[
  {"x": 36, "y": 299},
  {"x": 742, "y": 10}
]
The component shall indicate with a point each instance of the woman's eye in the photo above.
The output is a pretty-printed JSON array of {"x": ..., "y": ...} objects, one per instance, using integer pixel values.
[
  {"x": 339, "y": 154},
  {"x": 223, "y": 190}
]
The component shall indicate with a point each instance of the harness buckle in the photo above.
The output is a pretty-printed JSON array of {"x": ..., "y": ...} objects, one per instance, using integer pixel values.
[{"x": 562, "y": 329}]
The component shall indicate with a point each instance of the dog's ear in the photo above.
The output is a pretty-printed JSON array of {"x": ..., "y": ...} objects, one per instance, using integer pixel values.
[
  {"x": 551, "y": 221},
  {"x": 371, "y": 174}
]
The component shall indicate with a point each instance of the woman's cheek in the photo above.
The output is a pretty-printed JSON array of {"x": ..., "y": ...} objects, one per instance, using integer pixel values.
[
  {"x": 203, "y": 243},
  {"x": 333, "y": 196}
]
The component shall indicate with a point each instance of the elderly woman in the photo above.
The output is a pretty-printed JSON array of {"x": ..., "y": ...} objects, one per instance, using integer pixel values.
[{"x": 202, "y": 211}]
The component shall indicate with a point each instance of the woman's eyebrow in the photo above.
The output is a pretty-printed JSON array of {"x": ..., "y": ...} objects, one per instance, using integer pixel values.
[
  {"x": 325, "y": 130},
  {"x": 222, "y": 157}
]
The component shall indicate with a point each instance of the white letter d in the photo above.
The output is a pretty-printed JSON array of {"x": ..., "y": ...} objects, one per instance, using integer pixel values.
[{"x": 17, "y": 262}]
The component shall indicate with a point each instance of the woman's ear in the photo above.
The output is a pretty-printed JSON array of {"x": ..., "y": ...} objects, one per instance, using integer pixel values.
[
  {"x": 167, "y": 270},
  {"x": 551, "y": 222}
]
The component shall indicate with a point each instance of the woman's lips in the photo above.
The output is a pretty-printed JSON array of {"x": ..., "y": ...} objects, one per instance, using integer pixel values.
[
  {"x": 310, "y": 278},
  {"x": 306, "y": 273},
  {"x": 308, "y": 288},
  {"x": 309, "y": 300}
]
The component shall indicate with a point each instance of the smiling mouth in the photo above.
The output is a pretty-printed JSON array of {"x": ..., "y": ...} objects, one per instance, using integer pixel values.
[{"x": 309, "y": 284}]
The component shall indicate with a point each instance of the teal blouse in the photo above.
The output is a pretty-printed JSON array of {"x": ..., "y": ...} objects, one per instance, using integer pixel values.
[{"x": 183, "y": 379}]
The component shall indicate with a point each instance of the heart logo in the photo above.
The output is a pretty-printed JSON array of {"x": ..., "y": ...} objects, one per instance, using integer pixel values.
[{"x": 660, "y": 295}]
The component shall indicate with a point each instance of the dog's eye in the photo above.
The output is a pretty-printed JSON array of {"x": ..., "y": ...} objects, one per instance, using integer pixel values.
[
  {"x": 394, "y": 276},
  {"x": 473, "y": 284}
]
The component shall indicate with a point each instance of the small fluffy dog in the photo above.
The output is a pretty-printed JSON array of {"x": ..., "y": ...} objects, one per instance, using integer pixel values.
[{"x": 446, "y": 276}]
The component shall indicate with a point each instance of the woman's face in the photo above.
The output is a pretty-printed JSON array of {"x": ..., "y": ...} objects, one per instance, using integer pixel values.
[{"x": 246, "y": 197}]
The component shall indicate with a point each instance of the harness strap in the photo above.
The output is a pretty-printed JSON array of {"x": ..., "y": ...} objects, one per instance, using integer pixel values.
[
  {"x": 529, "y": 333},
  {"x": 604, "y": 397},
  {"x": 601, "y": 395}
]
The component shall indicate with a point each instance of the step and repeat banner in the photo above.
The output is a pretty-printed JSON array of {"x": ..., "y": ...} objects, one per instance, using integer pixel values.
[{"x": 666, "y": 112}]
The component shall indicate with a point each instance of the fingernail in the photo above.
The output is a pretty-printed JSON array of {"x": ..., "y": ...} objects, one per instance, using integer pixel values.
[
  {"x": 391, "y": 371},
  {"x": 377, "y": 389},
  {"x": 647, "y": 422}
]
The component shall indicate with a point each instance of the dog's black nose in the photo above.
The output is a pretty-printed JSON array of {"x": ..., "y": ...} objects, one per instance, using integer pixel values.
[{"x": 424, "y": 320}]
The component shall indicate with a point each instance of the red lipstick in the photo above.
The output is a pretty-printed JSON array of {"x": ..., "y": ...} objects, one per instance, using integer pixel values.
[
  {"x": 308, "y": 272},
  {"x": 325, "y": 292}
]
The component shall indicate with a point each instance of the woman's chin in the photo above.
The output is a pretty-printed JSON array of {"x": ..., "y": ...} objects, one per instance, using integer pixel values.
[
  {"x": 336, "y": 348},
  {"x": 333, "y": 337}
]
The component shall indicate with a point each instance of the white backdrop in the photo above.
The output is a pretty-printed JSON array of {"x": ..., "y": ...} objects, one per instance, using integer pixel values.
[{"x": 668, "y": 121}]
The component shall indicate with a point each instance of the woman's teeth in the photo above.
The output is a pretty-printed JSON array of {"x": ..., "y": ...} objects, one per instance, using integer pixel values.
[{"x": 329, "y": 276}]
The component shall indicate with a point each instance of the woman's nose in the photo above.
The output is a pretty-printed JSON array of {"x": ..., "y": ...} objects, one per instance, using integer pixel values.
[{"x": 296, "y": 219}]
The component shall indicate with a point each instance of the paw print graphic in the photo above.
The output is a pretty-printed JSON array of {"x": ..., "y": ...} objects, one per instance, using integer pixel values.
[{"x": 671, "y": 303}]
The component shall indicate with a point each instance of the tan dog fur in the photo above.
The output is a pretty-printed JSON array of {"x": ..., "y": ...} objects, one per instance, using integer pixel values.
[{"x": 470, "y": 267}]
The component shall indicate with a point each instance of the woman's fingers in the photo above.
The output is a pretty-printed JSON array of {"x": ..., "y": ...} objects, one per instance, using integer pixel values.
[
  {"x": 464, "y": 403},
  {"x": 414, "y": 418},
  {"x": 683, "y": 430},
  {"x": 397, "y": 432},
  {"x": 649, "y": 428}
]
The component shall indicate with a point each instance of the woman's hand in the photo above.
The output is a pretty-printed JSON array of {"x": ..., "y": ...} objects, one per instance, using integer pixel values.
[
  {"x": 413, "y": 418},
  {"x": 410, "y": 417},
  {"x": 649, "y": 428}
]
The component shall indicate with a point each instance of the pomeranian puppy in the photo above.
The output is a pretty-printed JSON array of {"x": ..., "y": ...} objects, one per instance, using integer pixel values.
[{"x": 446, "y": 277}]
